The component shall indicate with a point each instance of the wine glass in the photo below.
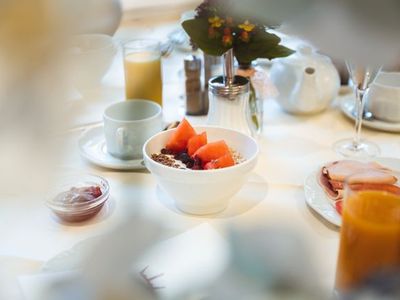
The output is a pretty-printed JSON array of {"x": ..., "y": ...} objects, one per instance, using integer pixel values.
[{"x": 361, "y": 77}]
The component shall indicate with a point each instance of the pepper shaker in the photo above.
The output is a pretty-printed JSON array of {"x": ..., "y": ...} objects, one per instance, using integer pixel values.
[{"x": 194, "y": 101}]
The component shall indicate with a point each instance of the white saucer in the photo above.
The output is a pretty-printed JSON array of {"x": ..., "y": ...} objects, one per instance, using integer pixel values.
[
  {"x": 317, "y": 199},
  {"x": 347, "y": 107},
  {"x": 92, "y": 146}
]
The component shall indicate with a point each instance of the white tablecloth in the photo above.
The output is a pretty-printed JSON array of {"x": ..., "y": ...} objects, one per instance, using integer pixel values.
[{"x": 291, "y": 148}]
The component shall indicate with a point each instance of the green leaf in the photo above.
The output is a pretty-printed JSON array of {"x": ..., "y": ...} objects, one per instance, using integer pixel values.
[
  {"x": 197, "y": 29},
  {"x": 262, "y": 45}
]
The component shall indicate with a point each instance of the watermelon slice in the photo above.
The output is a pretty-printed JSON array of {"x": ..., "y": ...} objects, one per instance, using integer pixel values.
[
  {"x": 212, "y": 151},
  {"x": 222, "y": 162},
  {"x": 180, "y": 137},
  {"x": 196, "y": 142}
]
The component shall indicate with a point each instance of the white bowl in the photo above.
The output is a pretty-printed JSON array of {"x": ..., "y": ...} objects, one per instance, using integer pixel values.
[
  {"x": 202, "y": 192},
  {"x": 90, "y": 56}
]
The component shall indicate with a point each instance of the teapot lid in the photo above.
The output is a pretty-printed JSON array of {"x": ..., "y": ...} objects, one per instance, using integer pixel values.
[
  {"x": 306, "y": 56},
  {"x": 305, "y": 50}
]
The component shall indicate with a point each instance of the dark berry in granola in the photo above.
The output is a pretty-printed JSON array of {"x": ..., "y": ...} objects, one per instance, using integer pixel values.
[
  {"x": 166, "y": 151},
  {"x": 183, "y": 157},
  {"x": 197, "y": 164},
  {"x": 168, "y": 158}
]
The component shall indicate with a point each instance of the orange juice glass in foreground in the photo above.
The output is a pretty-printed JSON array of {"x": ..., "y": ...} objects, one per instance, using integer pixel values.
[
  {"x": 370, "y": 233},
  {"x": 142, "y": 64}
]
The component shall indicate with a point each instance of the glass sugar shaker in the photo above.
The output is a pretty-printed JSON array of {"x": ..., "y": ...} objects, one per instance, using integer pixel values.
[{"x": 229, "y": 99}]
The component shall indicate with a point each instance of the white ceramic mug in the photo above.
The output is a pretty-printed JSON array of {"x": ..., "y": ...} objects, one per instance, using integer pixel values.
[
  {"x": 127, "y": 126},
  {"x": 383, "y": 97}
]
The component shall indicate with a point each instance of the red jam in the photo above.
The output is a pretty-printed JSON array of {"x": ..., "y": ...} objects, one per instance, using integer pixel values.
[
  {"x": 74, "y": 200},
  {"x": 79, "y": 195}
]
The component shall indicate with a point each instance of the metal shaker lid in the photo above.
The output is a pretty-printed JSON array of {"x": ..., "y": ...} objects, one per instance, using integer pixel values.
[
  {"x": 192, "y": 63},
  {"x": 218, "y": 87}
]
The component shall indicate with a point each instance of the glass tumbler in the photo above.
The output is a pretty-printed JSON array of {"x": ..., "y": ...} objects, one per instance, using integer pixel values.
[
  {"x": 143, "y": 73},
  {"x": 370, "y": 232}
]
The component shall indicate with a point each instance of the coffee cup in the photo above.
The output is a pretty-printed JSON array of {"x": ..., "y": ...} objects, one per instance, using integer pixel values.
[
  {"x": 383, "y": 97},
  {"x": 127, "y": 126}
]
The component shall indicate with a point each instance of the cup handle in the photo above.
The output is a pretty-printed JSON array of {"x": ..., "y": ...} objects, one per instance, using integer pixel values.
[{"x": 122, "y": 138}]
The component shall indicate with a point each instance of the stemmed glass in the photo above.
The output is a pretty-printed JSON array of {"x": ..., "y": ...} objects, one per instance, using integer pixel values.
[{"x": 361, "y": 77}]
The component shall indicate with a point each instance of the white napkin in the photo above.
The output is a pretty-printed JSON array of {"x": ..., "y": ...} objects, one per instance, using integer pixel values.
[{"x": 176, "y": 259}]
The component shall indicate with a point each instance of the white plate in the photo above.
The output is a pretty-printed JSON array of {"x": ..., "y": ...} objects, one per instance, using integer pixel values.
[
  {"x": 317, "y": 199},
  {"x": 347, "y": 107},
  {"x": 92, "y": 146}
]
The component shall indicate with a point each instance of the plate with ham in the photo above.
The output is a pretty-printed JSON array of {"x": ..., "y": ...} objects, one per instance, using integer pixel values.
[{"x": 324, "y": 187}]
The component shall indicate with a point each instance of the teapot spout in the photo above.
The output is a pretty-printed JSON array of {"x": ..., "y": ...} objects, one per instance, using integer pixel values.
[{"x": 306, "y": 92}]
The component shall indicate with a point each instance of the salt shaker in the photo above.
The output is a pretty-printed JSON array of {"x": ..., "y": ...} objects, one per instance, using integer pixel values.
[{"x": 194, "y": 99}]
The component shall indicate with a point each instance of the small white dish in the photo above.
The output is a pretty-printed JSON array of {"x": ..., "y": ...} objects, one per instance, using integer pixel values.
[
  {"x": 92, "y": 146},
  {"x": 347, "y": 107},
  {"x": 317, "y": 199},
  {"x": 89, "y": 58},
  {"x": 383, "y": 97}
]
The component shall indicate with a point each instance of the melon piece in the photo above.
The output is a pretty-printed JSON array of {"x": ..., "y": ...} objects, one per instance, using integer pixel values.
[
  {"x": 212, "y": 151},
  {"x": 222, "y": 162},
  {"x": 196, "y": 142},
  {"x": 179, "y": 138}
]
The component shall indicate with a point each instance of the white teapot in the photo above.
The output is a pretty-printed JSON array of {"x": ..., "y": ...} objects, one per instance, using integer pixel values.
[{"x": 307, "y": 81}]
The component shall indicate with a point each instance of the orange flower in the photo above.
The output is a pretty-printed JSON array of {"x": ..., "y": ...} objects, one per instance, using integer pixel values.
[
  {"x": 216, "y": 21},
  {"x": 227, "y": 40},
  {"x": 229, "y": 21},
  {"x": 247, "y": 26},
  {"x": 227, "y": 31},
  {"x": 212, "y": 34},
  {"x": 244, "y": 36}
]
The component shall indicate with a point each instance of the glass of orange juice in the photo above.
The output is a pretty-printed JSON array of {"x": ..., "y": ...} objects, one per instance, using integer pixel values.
[
  {"x": 370, "y": 232},
  {"x": 142, "y": 65}
]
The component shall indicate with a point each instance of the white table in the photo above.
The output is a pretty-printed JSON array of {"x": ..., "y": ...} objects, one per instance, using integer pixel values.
[{"x": 291, "y": 147}]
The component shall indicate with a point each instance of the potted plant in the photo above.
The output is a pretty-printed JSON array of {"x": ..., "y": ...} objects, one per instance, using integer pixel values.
[{"x": 218, "y": 28}]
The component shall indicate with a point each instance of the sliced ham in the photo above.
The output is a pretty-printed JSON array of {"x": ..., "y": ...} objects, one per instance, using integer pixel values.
[
  {"x": 340, "y": 170},
  {"x": 324, "y": 182},
  {"x": 364, "y": 176},
  {"x": 376, "y": 176},
  {"x": 337, "y": 185}
]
